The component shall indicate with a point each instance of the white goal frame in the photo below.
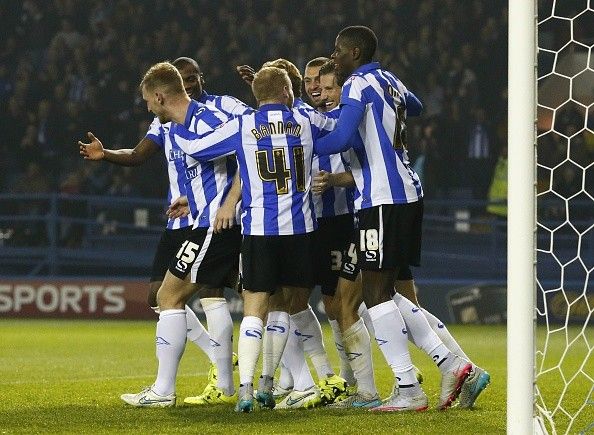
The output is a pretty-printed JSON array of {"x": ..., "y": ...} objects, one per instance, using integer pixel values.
[{"x": 521, "y": 252}]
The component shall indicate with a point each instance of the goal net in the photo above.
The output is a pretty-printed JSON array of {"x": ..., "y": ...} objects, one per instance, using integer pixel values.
[{"x": 564, "y": 393}]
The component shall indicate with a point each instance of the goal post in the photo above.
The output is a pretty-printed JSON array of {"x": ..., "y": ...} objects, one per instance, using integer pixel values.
[{"x": 521, "y": 280}]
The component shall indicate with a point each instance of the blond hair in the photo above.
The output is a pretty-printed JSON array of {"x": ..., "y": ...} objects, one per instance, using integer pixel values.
[
  {"x": 269, "y": 83},
  {"x": 164, "y": 76},
  {"x": 291, "y": 69}
]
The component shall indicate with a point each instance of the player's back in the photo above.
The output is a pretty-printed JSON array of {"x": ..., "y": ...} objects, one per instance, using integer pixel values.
[{"x": 275, "y": 167}]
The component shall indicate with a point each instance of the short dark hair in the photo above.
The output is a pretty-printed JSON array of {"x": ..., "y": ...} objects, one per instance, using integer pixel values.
[
  {"x": 327, "y": 68},
  {"x": 182, "y": 61},
  {"x": 361, "y": 37},
  {"x": 318, "y": 61}
]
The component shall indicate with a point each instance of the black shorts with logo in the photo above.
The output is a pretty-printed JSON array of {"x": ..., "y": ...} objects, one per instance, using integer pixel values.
[
  {"x": 169, "y": 244},
  {"x": 390, "y": 236},
  {"x": 333, "y": 235},
  {"x": 209, "y": 258},
  {"x": 270, "y": 262}
]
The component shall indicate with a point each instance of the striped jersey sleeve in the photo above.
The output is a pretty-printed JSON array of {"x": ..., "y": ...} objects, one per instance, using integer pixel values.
[
  {"x": 162, "y": 135},
  {"x": 379, "y": 159}
]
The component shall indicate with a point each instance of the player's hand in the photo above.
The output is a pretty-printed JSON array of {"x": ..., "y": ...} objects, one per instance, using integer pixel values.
[
  {"x": 225, "y": 217},
  {"x": 321, "y": 181},
  {"x": 178, "y": 208},
  {"x": 92, "y": 150},
  {"x": 247, "y": 73}
]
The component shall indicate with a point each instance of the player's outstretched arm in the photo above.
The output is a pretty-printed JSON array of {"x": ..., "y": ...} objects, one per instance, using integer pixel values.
[
  {"x": 136, "y": 156},
  {"x": 324, "y": 180},
  {"x": 178, "y": 208},
  {"x": 225, "y": 217}
]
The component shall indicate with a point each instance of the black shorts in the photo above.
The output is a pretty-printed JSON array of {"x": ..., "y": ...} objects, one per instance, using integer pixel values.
[
  {"x": 269, "y": 262},
  {"x": 209, "y": 258},
  {"x": 390, "y": 236},
  {"x": 332, "y": 237},
  {"x": 168, "y": 245}
]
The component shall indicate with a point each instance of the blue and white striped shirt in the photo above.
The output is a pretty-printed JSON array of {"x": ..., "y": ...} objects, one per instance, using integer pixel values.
[
  {"x": 379, "y": 160},
  {"x": 274, "y": 149},
  {"x": 176, "y": 159},
  {"x": 335, "y": 201}
]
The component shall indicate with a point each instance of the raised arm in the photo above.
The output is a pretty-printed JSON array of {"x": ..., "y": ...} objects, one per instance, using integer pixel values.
[{"x": 136, "y": 156}]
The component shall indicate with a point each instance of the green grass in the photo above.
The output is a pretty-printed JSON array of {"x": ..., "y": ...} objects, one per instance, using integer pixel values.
[{"x": 66, "y": 377}]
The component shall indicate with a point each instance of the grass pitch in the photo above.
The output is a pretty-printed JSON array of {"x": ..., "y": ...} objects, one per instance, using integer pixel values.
[{"x": 66, "y": 377}]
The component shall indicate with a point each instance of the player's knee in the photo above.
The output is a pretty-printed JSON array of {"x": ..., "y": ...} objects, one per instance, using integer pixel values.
[
  {"x": 211, "y": 292},
  {"x": 152, "y": 293}
]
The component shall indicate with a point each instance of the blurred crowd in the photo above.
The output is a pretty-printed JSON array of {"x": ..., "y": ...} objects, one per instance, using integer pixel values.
[{"x": 72, "y": 66}]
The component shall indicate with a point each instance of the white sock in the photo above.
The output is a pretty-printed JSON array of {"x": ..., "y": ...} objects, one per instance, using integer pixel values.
[
  {"x": 220, "y": 327},
  {"x": 285, "y": 378},
  {"x": 358, "y": 349},
  {"x": 364, "y": 314},
  {"x": 311, "y": 333},
  {"x": 197, "y": 334},
  {"x": 390, "y": 334},
  {"x": 346, "y": 372},
  {"x": 170, "y": 343},
  {"x": 249, "y": 345},
  {"x": 419, "y": 330},
  {"x": 443, "y": 333},
  {"x": 295, "y": 374},
  {"x": 275, "y": 339}
]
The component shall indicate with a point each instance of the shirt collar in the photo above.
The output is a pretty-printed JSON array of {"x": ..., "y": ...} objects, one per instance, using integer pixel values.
[
  {"x": 367, "y": 67},
  {"x": 192, "y": 108},
  {"x": 274, "y": 106},
  {"x": 203, "y": 97}
]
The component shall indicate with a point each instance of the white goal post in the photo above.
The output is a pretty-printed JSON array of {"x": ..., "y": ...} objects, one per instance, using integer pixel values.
[
  {"x": 550, "y": 333},
  {"x": 521, "y": 281}
]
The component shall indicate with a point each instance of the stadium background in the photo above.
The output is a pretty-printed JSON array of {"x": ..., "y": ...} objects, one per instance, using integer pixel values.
[{"x": 68, "y": 67}]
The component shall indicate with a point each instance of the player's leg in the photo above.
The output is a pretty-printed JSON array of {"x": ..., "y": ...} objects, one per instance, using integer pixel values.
[
  {"x": 383, "y": 231},
  {"x": 478, "y": 379},
  {"x": 346, "y": 374},
  {"x": 259, "y": 276},
  {"x": 170, "y": 343},
  {"x": 275, "y": 340},
  {"x": 209, "y": 259},
  {"x": 297, "y": 278},
  {"x": 169, "y": 244}
]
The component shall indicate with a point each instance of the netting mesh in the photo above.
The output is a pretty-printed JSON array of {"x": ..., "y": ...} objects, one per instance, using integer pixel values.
[{"x": 565, "y": 216}]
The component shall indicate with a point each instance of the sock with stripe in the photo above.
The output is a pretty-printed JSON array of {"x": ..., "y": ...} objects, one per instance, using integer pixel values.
[
  {"x": 346, "y": 372},
  {"x": 170, "y": 343},
  {"x": 358, "y": 350},
  {"x": 311, "y": 334},
  {"x": 391, "y": 337},
  {"x": 197, "y": 334},
  {"x": 249, "y": 346},
  {"x": 295, "y": 374},
  {"x": 220, "y": 327},
  {"x": 420, "y": 332},
  {"x": 440, "y": 329},
  {"x": 275, "y": 339}
]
